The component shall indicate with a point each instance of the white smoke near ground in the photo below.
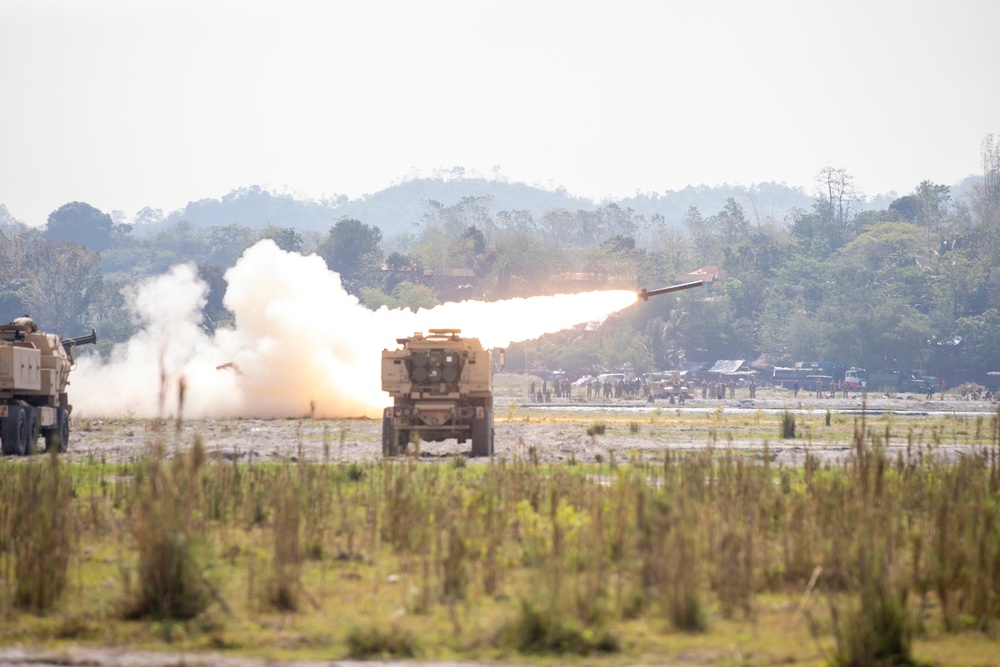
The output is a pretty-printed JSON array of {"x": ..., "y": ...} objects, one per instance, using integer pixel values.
[{"x": 301, "y": 344}]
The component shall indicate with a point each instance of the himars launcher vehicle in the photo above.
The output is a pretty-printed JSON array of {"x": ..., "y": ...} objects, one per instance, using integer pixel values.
[
  {"x": 441, "y": 386},
  {"x": 34, "y": 372}
]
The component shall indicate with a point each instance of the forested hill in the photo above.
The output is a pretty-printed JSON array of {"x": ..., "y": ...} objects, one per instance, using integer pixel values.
[{"x": 398, "y": 207}]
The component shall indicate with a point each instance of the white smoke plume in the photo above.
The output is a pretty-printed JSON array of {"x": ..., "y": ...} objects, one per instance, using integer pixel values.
[{"x": 301, "y": 344}]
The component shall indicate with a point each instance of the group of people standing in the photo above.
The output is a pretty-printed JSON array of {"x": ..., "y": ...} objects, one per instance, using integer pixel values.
[
  {"x": 636, "y": 388},
  {"x": 561, "y": 387},
  {"x": 718, "y": 389}
]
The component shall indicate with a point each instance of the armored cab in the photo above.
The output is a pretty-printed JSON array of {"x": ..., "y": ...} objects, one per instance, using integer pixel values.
[
  {"x": 34, "y": 373},
  {"x": 441, "y": 386}
]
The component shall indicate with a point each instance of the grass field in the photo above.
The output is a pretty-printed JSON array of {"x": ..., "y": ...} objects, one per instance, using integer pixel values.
[{"x": 705, "y": 557}]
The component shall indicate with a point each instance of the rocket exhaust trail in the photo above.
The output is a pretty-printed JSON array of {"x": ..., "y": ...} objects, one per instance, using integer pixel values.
[{"x": 299, "y": 340}]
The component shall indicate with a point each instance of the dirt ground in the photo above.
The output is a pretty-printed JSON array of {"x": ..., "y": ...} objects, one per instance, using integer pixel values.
[{"x": 551, "y": 432}]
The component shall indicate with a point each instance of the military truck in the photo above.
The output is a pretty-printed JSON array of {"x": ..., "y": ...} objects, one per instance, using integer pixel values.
[
  {"x": 902, "y": 381},
  {"x": 34, "y": 373},
  {"x": 673, "y": 388},
  {"x": 441, "y": 386}
]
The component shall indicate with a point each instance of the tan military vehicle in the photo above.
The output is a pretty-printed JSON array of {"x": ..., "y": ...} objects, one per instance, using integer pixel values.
[
  {"x": 673, "y": 389},
  {"x": 34, "y": 372},
  {"x": 441, "y": 385}
]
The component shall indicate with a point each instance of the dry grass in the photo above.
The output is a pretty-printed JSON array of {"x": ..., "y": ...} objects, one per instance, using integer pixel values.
[{"x": 481, "y": 561}]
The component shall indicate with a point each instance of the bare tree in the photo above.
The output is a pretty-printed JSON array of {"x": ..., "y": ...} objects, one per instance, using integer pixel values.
[{"x": 837, "y": 187}]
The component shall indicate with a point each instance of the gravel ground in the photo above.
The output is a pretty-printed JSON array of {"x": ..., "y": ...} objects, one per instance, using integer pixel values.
[
  {"x": 348, "y": 440},
  {"x": 85, "y": 657}
]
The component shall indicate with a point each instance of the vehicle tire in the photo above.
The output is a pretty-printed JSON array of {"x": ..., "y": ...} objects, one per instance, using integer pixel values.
[
  {"x": 14, "y": 435},
  {"x": 388, "y": 438},
  {"x": 63, "y": 430},
  {"x": 482, "y": 434},
  {"x": 31, "y": 419}
]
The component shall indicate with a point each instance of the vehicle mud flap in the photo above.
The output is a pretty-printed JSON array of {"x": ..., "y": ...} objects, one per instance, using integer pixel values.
[
  {"x": 482, "y": 434},
  {"x": 14, "y": 434}
]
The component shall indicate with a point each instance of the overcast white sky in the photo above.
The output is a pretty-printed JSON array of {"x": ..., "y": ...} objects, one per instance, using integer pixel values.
[{"x": 130, "y": 104}]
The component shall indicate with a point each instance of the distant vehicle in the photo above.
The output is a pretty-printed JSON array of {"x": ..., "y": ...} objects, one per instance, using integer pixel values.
[
  {"x": 855, "y": 377},
  {"x": 611, "y": 377},
  {"x": 786, "y": 377},
  {"x": 902, "y": 381},
  {"x": 671, "y": 385}
]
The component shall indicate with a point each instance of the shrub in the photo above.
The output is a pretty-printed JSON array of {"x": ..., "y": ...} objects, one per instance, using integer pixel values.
[
  {"x": 597, "y": 428},
  {"x": 284, "y": 586},
  {"x": 537, "y": 631},
  {"x": 877, "y": 631},
  {"x": 44, "y": 526},
  {"x": 787, "y": 424},
  {"x": 372, "y": 642},
  {"x": 170, "y": 579}
]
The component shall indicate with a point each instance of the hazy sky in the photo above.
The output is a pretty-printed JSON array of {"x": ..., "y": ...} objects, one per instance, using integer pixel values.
[{"x": 130, "y": 104}]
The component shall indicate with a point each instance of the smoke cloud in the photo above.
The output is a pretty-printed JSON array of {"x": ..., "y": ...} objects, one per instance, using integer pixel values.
[{"x": 301, "y": 343}]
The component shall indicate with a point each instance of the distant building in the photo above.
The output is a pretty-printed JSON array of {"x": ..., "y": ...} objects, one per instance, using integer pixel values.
[{"x": 706, "y": 274}]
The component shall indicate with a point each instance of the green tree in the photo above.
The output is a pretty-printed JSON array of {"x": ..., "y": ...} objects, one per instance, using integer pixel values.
[
  {"x": 80, "y": 223},
  {"x": 980, "y": 340},
  {"x": 353, "y": 249},
  {"x": 67, "y": 278},
  {"x": 286, "y": 238},
  {"x": 404, "y": 295},
  {"x": 731, "y": 223},
  {"x": 524, "y": 266},
  {"x": 886, "y": 244},
  {"x": 906, "y": 208},
  {"x": 226, "y": 244},
  {"x": 626, "y": 350}
]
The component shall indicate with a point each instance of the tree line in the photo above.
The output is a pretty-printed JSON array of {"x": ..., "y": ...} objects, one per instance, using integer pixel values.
[{"x": 915, "y": 284}]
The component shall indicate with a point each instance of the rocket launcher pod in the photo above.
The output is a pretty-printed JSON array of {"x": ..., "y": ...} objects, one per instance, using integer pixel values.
[{"x": 644, "y": 294}]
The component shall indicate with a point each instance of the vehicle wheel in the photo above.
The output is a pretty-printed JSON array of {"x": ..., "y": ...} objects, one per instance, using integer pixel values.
[
  {"x": 388, "y": 438},
  {"x": 31, "y": 419},
  {"x": 63, "y": 429},
  {"x": 482, "y": 434},
  {"x": 58, "y": 436},
  {"x": 14, "y": 436}
]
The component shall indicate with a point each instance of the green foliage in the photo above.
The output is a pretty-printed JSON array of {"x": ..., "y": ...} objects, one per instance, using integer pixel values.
[
  {"x": 535, "y": 630},
  {"x": 285, "y": 238},
  {"x": 82, "y": 224},
  {"x": 40, "y": 496},
  {"x": 55, "y": 283},
  {"x": 404, "y": 295},
  {"x": 626, "y": 350},
  {"x": 170, "y": 582},
  {"x": 787, "y": 429},
  {"x": 887, "y": 244},
  {"x": 374, "y": 642},
  {"x": 557, "y": 560},
  {"x": 353, "y": 249},
  {"x": 819, "y": 280},
  {"x": 284, "y": 590}
]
